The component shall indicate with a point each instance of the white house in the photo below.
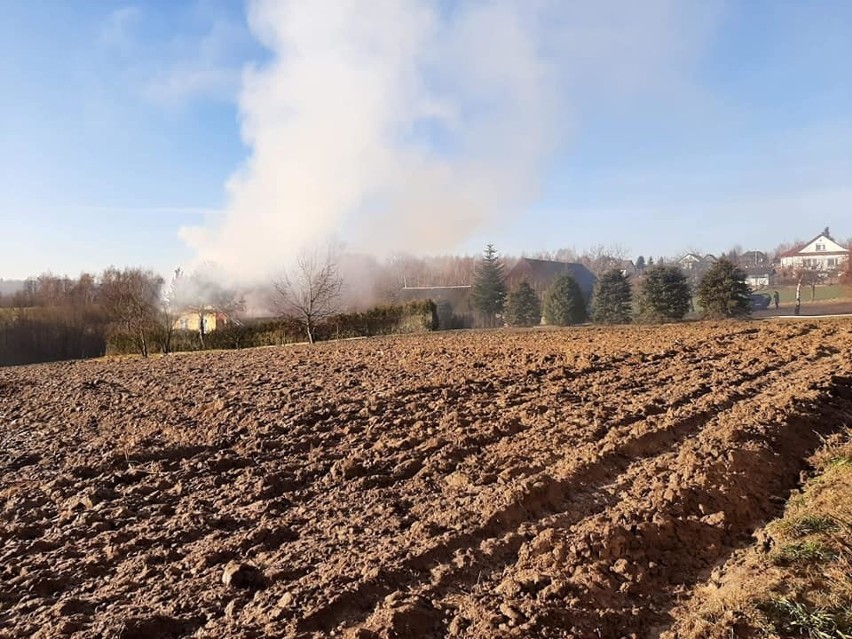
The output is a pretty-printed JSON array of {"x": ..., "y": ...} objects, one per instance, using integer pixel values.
[
  {"x": 759, "y": 277},
  {"x": 696, "y": 262},
  {"x": 820, "y": 254}
]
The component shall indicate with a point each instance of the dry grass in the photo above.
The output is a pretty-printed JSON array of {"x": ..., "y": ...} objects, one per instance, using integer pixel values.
[{"x": 797, "y": 580}]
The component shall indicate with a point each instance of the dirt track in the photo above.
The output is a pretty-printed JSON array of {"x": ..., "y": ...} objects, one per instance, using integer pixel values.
[{"x": 528, "y": 484}]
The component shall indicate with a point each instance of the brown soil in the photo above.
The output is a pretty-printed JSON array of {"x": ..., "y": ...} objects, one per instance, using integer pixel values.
[{"x": 496, "y": 484}]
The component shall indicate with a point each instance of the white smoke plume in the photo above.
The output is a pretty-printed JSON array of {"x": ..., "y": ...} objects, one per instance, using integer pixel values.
[{"x": 407, "y": 125}]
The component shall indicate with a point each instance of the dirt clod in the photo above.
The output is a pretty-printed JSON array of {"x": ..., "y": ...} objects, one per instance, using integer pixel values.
[{"x": 239, "y": 575}]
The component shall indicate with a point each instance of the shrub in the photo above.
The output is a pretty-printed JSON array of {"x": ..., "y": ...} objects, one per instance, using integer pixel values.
[
  {"x": 613, "y": 300},
  {"x": 523, "y": 307},
  {"x": 664, "y": 295},
  {"x": 723, "y": 291},
  {"x": 448, "y": 319},
  {"x": 413, "y": 317},
  {"x": 564, "y": 304}
]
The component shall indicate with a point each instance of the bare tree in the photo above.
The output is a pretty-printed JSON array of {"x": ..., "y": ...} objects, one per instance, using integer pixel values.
[
  {"x": 310, "y": 291},
  {"x": 599, "y": 259},
  {"x": 169, "y": 311},
  {"x": 846, "y": 274},
  {"x": 810, "y": 277},
  {"x": 131, "y": 298}
]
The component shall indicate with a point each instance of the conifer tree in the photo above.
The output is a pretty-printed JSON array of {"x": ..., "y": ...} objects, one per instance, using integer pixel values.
[
  {"x": 723, "y": 291},
  {"x": 612, "y": 301},
  {"x": 564, "y": 304},
  {"x": 665, "y": 295},
  {"x": 523, "y": 307},
  {"x": 489, "y": 286}
]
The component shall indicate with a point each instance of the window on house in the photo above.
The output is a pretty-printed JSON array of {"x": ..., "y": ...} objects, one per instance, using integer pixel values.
[{"x": 820, "y": 247}]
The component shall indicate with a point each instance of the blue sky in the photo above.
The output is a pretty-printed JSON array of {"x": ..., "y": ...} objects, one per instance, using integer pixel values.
[{"x": 120, "y": 124}]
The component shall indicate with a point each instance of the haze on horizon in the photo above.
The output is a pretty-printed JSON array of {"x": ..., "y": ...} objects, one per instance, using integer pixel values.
[{"x": 160, "y": 134}]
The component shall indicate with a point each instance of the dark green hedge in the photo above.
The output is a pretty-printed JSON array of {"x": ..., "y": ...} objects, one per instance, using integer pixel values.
[{"x": 412, "y": 317}]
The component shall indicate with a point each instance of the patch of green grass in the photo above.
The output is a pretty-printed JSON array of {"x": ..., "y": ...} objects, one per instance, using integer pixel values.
[
  {"x": 822, "y": 293},
  {"x": 805, "y": 552},
  {"x": 808, "y": 525},
  {"x": 795, "y": 618},
  {"x": 841, "y": 461}
]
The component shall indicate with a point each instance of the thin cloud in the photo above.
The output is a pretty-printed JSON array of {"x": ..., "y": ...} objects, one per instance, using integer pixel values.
[
  {"x": 200, "y": 57},
  {"x": 117, "y": 32},
  {"x": 139, "y": 210},
  {"x": 200, "y": 68}
]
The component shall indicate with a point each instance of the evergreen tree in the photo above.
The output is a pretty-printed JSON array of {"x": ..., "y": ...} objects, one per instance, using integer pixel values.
[
  {"x": 664, "y": 295},
  {"x": 564, "y": 303},
  {"x": 523, "y": 307},
  {"x": 650, "y": 261},
  {"x": 489, "y": 286},
  {"x": 640, "y": 262},
  {"x": 723, "y": 291},
  {"x": 613, "y": 299}
]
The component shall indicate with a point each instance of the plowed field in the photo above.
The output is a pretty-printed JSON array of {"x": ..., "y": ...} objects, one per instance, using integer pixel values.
[{"x": 569, "y": 483}]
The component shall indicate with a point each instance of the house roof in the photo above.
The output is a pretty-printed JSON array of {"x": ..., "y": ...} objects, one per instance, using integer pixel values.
[
  {"x": 458, "y": 296},
  {"x": 694, "y": 256},
  {"x": 545, "y": 271},
  {"x": 626, "y": 265},
  {"x": 794, "y": 252},
  {"x": 753, "y": 258},
  {"x": 709, "y": 257}
]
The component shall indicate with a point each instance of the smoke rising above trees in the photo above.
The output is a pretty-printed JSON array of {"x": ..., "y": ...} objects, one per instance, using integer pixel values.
[
  {"x": 395, "y": 127},
  {"x": 416, "y": 125}
]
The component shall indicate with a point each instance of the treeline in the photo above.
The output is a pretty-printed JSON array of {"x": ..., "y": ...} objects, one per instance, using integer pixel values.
[
  {"x": 660, "y": 294},
  {"x": 33, "y": 335},
  {"x": 133, "y": 311},
  {"x": 53, "y": 318}
]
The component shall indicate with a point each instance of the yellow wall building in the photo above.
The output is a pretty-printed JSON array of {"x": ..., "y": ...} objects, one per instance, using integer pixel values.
[{"x": 191, "y": 321}]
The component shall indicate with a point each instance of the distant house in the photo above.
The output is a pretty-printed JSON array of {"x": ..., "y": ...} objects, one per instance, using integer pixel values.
[
  {"x": 694, "y": 262},
  {"x": 759, "y": 276},
  {"x": 758, "y": 269},
  {"x": 753, "y": 258},
  {"x": 541, "y": 273},
  {"x": 689, "y": 262},
  {"x": 191, "y": 321},
  {"x": 822, "y": 254},
  {"x": 455, "y": 307},
  {"x": 628, "y": 268}
]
